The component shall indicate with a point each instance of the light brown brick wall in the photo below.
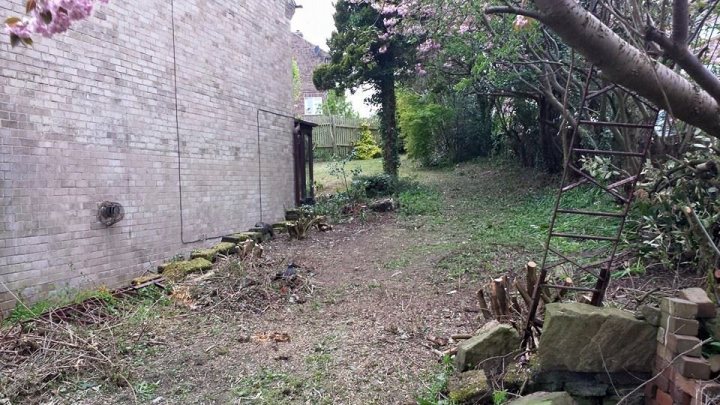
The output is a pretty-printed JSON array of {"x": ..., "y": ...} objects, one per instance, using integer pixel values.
[
  {"x": 308, "y": 57},
  {"x": 90, "y": 116}
]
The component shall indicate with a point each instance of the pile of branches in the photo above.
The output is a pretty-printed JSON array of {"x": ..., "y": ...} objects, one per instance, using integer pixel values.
[
  {"x": 678, "y": 212},
  {"x": 254, "y": 286},
  {"x": 37, "y": 355}
]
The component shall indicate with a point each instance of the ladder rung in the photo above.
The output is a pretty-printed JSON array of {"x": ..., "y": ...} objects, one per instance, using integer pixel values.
[
  {"x": 573, "y": 185},
  {"x": 608, "y": 152},
  {"x": 587, "y": 237},
  {"x": 608, "y": 189},
  {"x": 567, "y": 287},
  {"x": 592, "y": 213},
  {"x": 622, "y": 182},
  {"x": 615, "y": 124},
  {"x": 575, "y": 263}
]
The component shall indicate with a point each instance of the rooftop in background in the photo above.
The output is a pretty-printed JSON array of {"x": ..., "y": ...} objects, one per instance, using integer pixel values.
[{"x": 315, "y": 20}]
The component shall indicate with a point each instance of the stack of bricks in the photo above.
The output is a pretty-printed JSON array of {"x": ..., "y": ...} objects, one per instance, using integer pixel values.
[{"x": 681, "y": 373}]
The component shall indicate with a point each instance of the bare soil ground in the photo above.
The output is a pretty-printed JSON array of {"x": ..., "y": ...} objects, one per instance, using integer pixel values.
[{"x": 357, "y": 331}]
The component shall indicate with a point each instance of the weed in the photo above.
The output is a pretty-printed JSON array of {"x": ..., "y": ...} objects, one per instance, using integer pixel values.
[
  {"x": 398, "y": 263},
  {"x": 434, "y": 391},
  {"x": 23, "y": 312},
  {"x": 500, "y": 397},
  {"x": 269, "y": 387},
  {"x": 420, "y": 201},
  {"x": 635, "y": 269},
  {"x": 146, "y": 390}
]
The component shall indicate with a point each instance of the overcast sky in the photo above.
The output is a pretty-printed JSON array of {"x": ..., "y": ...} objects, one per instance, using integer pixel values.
[{"x": 315, "y": 21}]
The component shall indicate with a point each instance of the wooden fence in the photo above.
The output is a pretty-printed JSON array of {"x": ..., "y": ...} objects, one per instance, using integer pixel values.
[{"x": 336, "y": 136}]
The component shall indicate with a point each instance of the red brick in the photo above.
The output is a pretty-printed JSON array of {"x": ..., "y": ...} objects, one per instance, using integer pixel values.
[
  {"x": 679, "y": 308},
  {"x": 663, "y": 398},
  {"x": 680, "y": 397},
  {"x": 692, "y": 367},
  {"x": 698, "y": 296},
  {"x": 662, "y": 383},
  {"x": 687, "y": 345},
  {"x": 650, "y": 390},
  {"x": 687, "y": 385},
  {"x": 680, "y": 326},
  {"x": 664, "y": 354}
]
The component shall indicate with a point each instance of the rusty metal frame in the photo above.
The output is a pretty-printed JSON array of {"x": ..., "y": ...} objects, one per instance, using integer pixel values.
[{"x": 604, "y": 275}]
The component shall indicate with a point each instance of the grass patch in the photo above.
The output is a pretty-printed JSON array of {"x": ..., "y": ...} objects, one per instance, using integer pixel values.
[
  {"x": 326, "y": 182},
  {"x": 420, "y": 201},
  {"x": 435, "y": 388},
  {"x": 398, "y": 263},
  {"x": 269, "y": 387},
  {"x": 26, "y": 312}
]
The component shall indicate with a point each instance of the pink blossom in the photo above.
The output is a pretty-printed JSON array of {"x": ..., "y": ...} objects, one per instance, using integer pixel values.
[
  {"x": 428, "y": 46},
  {"x": 521, "y": 22},
  {"x": 50, "y": 17}
]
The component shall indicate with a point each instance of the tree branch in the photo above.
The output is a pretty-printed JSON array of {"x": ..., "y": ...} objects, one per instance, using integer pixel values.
[
  {"x": 680, "y": 53},
  {"x": 629, "y": 66},
  {"x": 513, "y": 10},
  {"x": 681, "y": 21}
]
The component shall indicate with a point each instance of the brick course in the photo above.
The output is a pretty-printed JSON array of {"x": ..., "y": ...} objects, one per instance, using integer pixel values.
[{"x": 91, "y": 116}]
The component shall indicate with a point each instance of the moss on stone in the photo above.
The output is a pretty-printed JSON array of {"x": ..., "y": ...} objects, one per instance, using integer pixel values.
[
  {"x": 280, "y": 227},
  {"x": 211, "y": 253},
  {"x": 237, "y": 238},
  {"x": 468, "y": 386},
  {"x": 292, "y": 214},
  {"x": 175, "y": 271},
  {"x": 144, "y": 279}
]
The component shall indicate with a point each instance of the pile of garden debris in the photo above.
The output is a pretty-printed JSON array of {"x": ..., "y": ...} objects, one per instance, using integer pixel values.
[{"x": 254, "y": 286}]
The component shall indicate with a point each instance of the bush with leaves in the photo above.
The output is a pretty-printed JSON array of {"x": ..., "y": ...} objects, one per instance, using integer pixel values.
[
  {"x": 377, "y": 185},
  {"x": 666, "y": 232},
  {"x": 366, "y": 148},
  {"x": 421, "y": 124}
]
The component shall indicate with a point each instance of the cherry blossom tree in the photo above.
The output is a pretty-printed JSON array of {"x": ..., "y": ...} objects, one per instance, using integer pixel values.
[
  {"x": 369, "y": 49},
  {"x": 47, "y": 18}
]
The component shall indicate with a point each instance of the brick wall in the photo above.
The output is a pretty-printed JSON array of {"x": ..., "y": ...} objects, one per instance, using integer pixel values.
[
  {"x": 308, "y": 57},
  {"x": 91, "y": 116}
]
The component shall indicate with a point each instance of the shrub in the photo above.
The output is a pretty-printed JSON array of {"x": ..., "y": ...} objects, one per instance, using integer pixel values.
[
  {"x": 419, "y": 201},
  {"x": 665, "y": 232},
  {"x": 376, "y": 185},
  {"x": 421, "y": 124},
  {"x": 366, "y": 148}
]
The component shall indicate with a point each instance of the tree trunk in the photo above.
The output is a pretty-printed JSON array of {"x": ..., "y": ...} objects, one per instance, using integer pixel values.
[
  {"x": 388, "y": 126},
  {"x": 551, "y": 152},
  {"x": 628, "y": 66}
]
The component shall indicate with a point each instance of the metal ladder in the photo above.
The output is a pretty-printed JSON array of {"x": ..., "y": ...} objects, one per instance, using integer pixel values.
[{"x": 625, "y": 199}]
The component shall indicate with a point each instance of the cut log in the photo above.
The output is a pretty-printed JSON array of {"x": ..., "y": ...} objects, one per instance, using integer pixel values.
[
  {"x": 494, "y": 303},
  {"x": 482, "y": 302},
  {"x": 523, "y": 293},
  {"x": 516, "y": 305},
  {"x": 531, "y": 276},
  {"x": 568, "y": 282},
  {"x": 500, "y": 293}
]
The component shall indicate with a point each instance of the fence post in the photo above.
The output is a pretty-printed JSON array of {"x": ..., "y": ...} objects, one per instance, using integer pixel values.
[{"x": 332, "y": 133}]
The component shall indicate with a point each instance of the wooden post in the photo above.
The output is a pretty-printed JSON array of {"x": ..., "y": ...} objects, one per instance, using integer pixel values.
[
  {"x": 500, "y": 294},
  {"x": 482, "y": 302},
  {"x": 332, "y": 134},
  {"x": 531, "y": 276},
  {"x": 494, "y": 303},
  {"x": 523, "y": 293}
]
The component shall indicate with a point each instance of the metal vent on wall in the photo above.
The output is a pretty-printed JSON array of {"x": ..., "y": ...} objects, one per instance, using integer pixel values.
[{"x": 110, "y": 213}]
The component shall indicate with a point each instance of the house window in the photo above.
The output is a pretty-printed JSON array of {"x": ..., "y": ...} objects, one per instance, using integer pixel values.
[{"x": 313, "y": 105}]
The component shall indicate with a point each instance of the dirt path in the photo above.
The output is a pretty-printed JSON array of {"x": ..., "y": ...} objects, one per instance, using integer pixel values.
[
  {"x": 382, "y": 289},
  {"x": 360, "y": 339}
]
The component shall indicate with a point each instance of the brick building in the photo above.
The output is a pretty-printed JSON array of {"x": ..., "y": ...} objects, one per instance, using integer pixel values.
[
  {"x": 175, "y": 109},
  {"x": 308, "y": 56}
]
